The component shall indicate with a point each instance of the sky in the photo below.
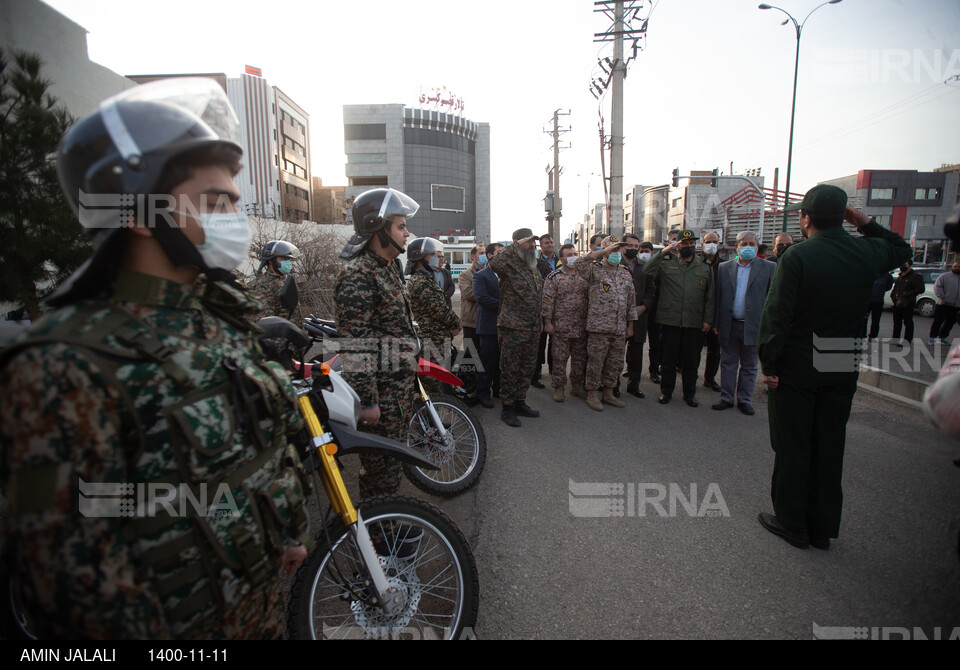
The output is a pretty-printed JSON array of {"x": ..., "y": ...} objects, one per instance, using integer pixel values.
[{"x": 711, "y": 85}]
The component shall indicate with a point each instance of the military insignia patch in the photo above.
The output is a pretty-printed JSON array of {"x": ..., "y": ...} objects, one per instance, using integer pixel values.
[
  {"x": 546, "y": 297},
  {"x": 703, "y": 283},
  {"x": 606, "y": 286}
]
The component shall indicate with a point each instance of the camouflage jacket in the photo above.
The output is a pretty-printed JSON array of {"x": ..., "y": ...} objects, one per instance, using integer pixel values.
[
  {"x": 374, "y": 314},
  {"x": 613, "y": 299},
  {"x": 136, "y": 397},
  {"x": 521, "y": 289},
  {"x": 565, "y": 299},
  {"x": 435, "y": 319},
  {"x": 266, "y": 288}
]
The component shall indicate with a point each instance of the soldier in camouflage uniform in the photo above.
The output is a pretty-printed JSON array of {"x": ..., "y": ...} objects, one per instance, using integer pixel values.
[
  {"x": 436, "y": 320},
  {"x": 373, "y": 312},
  {"x": 565, "y": 302},
  {"x": 276, "y": 264},
  {"x": 610, "y": 317},
  {"x": 518, "y": 323},
  {"x": 146, "y": 384}
]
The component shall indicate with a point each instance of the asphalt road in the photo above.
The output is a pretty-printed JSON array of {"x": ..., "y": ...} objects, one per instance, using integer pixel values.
[{"x": 561, "y": 560}]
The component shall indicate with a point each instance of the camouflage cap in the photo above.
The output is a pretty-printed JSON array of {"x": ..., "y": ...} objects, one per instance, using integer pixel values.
[
  {"x": 607, "y": 241},
  {"x": 524, "y": 233}
]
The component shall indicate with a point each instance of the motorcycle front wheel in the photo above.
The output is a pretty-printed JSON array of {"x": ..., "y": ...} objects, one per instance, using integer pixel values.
[
  {"x": 429, "y": 567},
  {"x": 461, "y": 456}
]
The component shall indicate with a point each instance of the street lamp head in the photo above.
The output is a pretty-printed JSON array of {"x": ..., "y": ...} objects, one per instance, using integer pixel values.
[{"x": 764, "y": 6}]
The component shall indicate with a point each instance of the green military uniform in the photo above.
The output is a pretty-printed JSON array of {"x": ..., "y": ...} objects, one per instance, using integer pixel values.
[
  {"x": 435, "y": 319},
  {"x": 821, "y": 289},
  {"x": 266, "y": 287},
  {"x": 685, "y": 303},
  {"x": 380, "y": 361},
  {"x": 153, "y": 386},
  {"x": 518, "y": 323}
]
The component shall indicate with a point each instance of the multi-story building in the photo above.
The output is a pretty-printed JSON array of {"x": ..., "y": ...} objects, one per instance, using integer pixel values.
[
  {"x": 329, "y": 203},
  {"x": 441, "y": 160},
  {"x": 633, "y": 210},
  {"x": 275, "y": 133}
]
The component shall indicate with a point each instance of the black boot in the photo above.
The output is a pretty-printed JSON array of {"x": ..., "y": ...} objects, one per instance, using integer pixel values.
[{"x": 509, "y": 416}]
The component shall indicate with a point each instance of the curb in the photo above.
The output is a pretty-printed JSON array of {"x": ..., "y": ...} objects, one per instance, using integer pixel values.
[{"x": 905, "y": 390}]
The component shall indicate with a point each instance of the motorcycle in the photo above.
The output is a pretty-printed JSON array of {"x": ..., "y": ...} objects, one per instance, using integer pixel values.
[
  {"x": 392, "y": 567},
  {"x": 441, "y": 430}
]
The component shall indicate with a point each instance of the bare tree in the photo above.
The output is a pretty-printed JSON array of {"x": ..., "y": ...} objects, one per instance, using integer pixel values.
[{"x": 317, "y": 264}]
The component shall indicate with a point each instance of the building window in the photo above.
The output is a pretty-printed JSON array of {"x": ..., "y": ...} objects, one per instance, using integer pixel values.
[
  {"x": 366, "y": 158},
  {"x": 365, "y": 131},
  {"x": 883, "y": 220},
  {"x": 928, "y": 194},
  {"x": 368, "y": 181},
  {"x": 447, "y": 198},
  {"x": 883, "y": 193}
]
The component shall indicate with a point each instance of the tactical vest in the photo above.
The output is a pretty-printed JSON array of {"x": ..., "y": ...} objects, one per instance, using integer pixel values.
[{"x": 227, "y": 428}]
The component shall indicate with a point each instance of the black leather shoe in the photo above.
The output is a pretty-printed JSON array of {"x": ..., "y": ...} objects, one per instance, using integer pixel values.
[
  {"x": 747, "y": 409},
  {"x": 799, "y": 539},
  {"x": 691, "y": 402},
  {"x": 509, "y": 417},
  {"x": 712, "y": 385},
  {"x": 632, "y": 389},
  {"x": 654, "y": 377},
  {"x": 820, "y": 542},
  {"x": 663, "y": 399},
  {"x": 486, "y": 402},
  {"x": 523, "y": 409},
  {"x": 723, "y": 404},
  {"x": 536, "y": 383}
]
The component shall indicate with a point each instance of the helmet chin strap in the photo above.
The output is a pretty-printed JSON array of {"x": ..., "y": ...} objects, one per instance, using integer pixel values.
[{"x": 385, "y": 239}]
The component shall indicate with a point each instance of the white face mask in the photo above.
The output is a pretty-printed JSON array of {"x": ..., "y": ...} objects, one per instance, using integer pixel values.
[
  {"x": 645, "y": 256},
  {"x": 710, "y": 248},
  {"x": 570, "y": 260},
  {"x": 226, "y": 239}
]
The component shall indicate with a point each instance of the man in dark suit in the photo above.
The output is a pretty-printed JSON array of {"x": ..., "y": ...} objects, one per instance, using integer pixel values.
[
  {"x": 486, "y": 291},
  {"x": 742, "y": 285},
  {"x": 820, "y": 290},
  {"x": 645, "y": 289}
]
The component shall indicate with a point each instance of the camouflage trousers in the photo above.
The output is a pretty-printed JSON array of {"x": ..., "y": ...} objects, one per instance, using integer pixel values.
[
  {"x": 573, "y": 348},
  {"x": 518, "y": 360},
  {"x": 604, "y": 360},
  {"x": 380, "y": 475}
]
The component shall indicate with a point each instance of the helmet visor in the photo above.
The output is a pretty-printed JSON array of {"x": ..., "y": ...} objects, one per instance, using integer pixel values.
[
  {"x": 178, "y": 108},
  {"x": 396, "y": 203}
]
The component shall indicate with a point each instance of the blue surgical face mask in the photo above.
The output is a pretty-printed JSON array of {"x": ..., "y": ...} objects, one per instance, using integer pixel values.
[
  {"x": 614, "y": 258},
  {"x": 482, "y": 260},
  {"x": 434, "y": 262},
  {"x": 748, "y": 253},
  {"x": 286, "y": 267}
]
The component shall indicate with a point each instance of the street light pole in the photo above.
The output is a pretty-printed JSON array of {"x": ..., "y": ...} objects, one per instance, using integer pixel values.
[{"x": 793, "y": 106}]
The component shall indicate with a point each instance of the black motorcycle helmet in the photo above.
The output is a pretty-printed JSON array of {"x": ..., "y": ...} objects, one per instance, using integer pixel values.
[
  {"x": 273, "y": 250},
  {"x": 110, "y": 159},
  {"x": 421, "y": 247},
  {"x": 371, "y": 211}
]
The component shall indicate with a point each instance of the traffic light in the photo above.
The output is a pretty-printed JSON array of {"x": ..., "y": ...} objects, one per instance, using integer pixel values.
[
  {"x": 713, "y": 182},
  {"x": 676, "y": 177}
]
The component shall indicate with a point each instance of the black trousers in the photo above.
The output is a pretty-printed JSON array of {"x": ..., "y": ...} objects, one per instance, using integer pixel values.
[
  {"x": 712, "y": 366},
  {"x": 944, "y": 316},
  {"x": 903, "y": 316},
  {"x": 653, "y": 338},
  {"x": 876, "y": 312},
  {"x": 680, "y": 346}
]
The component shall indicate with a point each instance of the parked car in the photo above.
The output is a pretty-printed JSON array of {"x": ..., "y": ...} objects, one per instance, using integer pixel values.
[{"x": 926, "y": 301}]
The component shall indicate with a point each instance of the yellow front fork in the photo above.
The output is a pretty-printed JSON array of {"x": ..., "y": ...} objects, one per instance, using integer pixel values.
[{"x": 330, "y": 473}]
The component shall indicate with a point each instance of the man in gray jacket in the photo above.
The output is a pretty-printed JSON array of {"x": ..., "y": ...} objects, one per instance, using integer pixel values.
[
  {"x": 947, "y": 290},
  {"x": 742, "y": 286}
]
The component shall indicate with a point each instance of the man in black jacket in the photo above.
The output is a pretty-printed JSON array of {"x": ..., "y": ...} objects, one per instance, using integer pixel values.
[
  {"x": 905, "y": 291},
  {"x": 882, "y": 284},
  {"x": 645, "y": 289},
  {"x": 711, "y": 256}
]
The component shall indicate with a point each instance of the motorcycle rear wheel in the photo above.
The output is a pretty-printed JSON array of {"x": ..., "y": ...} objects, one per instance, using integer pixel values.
[
  {"x": 426, "y": 558},
  {"x": 460, "y": 463}
]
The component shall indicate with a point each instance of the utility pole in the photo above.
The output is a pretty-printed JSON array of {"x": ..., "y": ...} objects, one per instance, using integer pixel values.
[
  {"x": 622, "y": 12},
  {"x": 552, "y": 203}
]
